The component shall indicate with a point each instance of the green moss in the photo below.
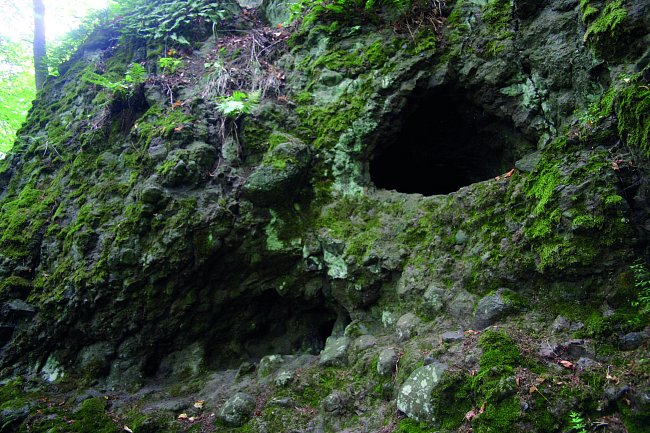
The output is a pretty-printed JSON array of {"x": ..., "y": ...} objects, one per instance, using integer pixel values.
[
  {"x": 612, "y": 200},
  {"x": 15, "y": 286},
  {"x": 408, "y": 425},
  {"x": 588, "y": 222},
  {"x": 544, "y": 227},
  {"x": 633, "y": 112},
  {"x": 92, "y": 417},
  {"x": 607, "y": 22},
  {"x": 636, "y": 419},
  {"x": 455, "y": 387},
  {"x": 499, "y": 417},
  {"x": 161, "y": 122},
  {"x": 166, "y": 167},
  {"x": 304, "y": 98},
  {"x": 12, "y": 395},
  {"x": 542, "y": 187},
  {"x": 23, "y": 217},
  {"x": 499, "y": 351},
  {"x": 497, "y": 15}
]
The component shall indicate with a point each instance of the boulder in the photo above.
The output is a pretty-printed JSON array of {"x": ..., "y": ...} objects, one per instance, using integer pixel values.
[
  {"x": 336, "y": 351},
  {"x": 453, "y": 336},
  {"x": 269, "y": 364},
  {"x": 387, "y": 361},
  {"x": 237, "y": 409},
  {"x": 278, "y": 176},
  {"x": 406, "y": 326},
  {"x": 416, "y": 397},
  {"x": 492, "y": 308},
  {"x": 632, "y": 340}
]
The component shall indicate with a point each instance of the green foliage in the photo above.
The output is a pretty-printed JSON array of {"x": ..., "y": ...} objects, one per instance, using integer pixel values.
[
  {"x": 239, "y": 103},
  {"x": 577, "y": 422},
  {"x": 118, "y": 87},
  {"x": 136, "y": 74},
  {"x": 18, "y": 90},
  {"x": 628, "y": 98},
  {"x": 168, "y": 20},
  {"x": 633, "y": 112},
  {"x": 169, "y": 65},
  {"x": 606, "y": 31},
  {"x": 642, "y": 283}
]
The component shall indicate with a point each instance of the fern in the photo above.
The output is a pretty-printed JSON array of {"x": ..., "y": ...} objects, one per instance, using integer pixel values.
[
  {"x": 118, "y": 87},
  {"x": 239, "y": 103},
  {"x": 578, "y": 423},
  {"x": 136, "y": 74},
  {"x": 642, "y": 283},
  {"x": 168, "y": 19}
]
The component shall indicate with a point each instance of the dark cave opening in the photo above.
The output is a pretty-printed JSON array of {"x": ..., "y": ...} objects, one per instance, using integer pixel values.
[
  {"x": 444, "y": 142},
  {"x": 278, "y": 324},
  {"x": 6, "y": 332},
  {"x": 253, "y": 327}
]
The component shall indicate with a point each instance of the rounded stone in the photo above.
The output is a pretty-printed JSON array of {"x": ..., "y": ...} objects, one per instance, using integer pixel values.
[
  {"x": 387, "y": 362},
  {"x": 237, "y": 409}
]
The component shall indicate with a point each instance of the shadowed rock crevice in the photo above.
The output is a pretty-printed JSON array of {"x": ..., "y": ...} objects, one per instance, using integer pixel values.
[{"x": 445, "y": 142}]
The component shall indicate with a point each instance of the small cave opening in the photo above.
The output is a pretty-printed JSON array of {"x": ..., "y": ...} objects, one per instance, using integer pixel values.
[
  {"x": 287, "y": 325},
  {"x": 442, "y": 143},
  {"x": 269, "y": 323}
]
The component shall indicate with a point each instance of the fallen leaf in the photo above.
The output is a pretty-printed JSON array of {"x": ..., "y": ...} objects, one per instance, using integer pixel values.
[
  {"x": 470, "y": 415},
  {"x": 191, "y": 419},
  {"x": 532, "y": 389},
  {"x": 199, "y": 404},
  {"x": 505, "y": 175},
  {"x": 182, "y": 416},
  {"x": 540, "y": 380},
  {"x": 566, "y": 364},
  {"x": 482, "y": 409},
  {"x": 517, "y": 381},
  {"x": 126, "y": 428},
  {"x": 615, "y": 166}
]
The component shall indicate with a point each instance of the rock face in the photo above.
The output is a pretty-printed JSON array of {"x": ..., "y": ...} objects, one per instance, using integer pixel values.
[{"x": 179, "y": 229}]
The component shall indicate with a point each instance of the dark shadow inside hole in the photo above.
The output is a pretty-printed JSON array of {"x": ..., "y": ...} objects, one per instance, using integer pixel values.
[
  {"x": 445, "y": 143},
  {"x": 285, "y": 325}
]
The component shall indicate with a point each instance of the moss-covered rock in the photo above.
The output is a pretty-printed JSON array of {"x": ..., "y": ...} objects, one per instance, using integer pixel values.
[{"x": 158, "y": 242}]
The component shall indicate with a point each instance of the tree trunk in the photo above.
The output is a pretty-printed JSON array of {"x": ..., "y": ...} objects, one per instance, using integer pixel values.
[{"x": 40, "y": 64}]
